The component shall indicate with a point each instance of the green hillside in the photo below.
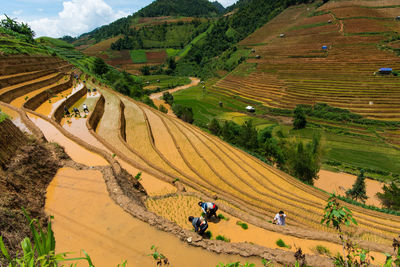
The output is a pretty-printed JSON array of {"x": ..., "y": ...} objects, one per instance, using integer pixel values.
[{"x": 191, "y": 8}]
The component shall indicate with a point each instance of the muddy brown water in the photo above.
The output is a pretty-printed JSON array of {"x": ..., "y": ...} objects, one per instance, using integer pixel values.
[
  {"x": 340, "y": 182},
  {"x": 86, "y": 218},
  {"x": 75, "y": 151},
  {"x": 15, "y": 118}
]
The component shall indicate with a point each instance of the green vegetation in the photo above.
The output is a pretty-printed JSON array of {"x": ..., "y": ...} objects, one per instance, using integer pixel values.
[
  {"x": 190, "y": 8},
  {"x": 171, "y": 52},
  {"x": 358, "y": 191},
  {"x": 3, "y": 116},
  {"x": 167, "y": 35},
  {"x": 243, "y": 225},
  {"x": 158, "y": 257},
  {"x": 299, "y": 121},
  {"x": 308, "y": 26},
  {"x": 42, "y": 252},
  {"x": 54, "y": 42},
  {"x": 282, "y": 244},
  {"x": 163, "y": 82},
  {"x": 322, "y": 250},
  {"x": 391, "y": 196},
  {"x": 222, "y": 238},
  {"x": 163, "y": 109},
  {"x": 226, "y": 32},
  {"x": 208, "y": 234},
  {"x": 167, "y": 97},
  {"x": 184, "y": 113},
  {"x": 222, "y": 217},
  {"x": 138, "y": 176},
  {"x": 138, "y": 56}
]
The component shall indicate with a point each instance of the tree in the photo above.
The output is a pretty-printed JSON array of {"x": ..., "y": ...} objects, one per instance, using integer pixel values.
[
  {"x": 145, "y": 70},
  {"x": 304, "y": 161},
  {"x": 299, "y": 121},
  {"x": 390, "y": 197},
  {"x": 183, "y": 113},
  {"x": 171, "y": 63},
  {"x": 214, "y": 127},
  {"x": 248, "y": 136},
  {"x": 169, "y": 98},
  {"x": 163, "y": 109},
  {"x": 358, "y": 191},
  {"x": 21, "y": 28},
  {"x": 99, "y": 66}
]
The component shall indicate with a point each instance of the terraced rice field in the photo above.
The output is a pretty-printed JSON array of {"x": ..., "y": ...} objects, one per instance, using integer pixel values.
[
  {"x": 295, "y": 70},
  {"x": 168, "y": 150}
]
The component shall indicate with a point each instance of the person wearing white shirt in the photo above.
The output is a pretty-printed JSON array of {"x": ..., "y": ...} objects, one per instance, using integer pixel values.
[{"x": 280, "y": 218}]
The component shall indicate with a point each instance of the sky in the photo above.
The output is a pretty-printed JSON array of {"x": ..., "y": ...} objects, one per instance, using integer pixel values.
[{"x": 56, "y": 18}]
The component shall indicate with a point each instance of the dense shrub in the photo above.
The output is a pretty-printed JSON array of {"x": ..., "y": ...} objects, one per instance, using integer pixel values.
[{"x": 184, "y": 113}]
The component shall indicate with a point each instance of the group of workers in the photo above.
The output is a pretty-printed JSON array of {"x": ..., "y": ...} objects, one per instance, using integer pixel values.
[
  {"x": 200, "y": 224},
  {"x": 209, "y": 209},
  {"x": 76, "y": 111}
]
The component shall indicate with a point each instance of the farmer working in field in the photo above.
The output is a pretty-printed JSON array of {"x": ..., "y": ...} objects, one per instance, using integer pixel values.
[
  {"x": 76, "y": 111},
  {"x": 66, "y": 111},
  {"x": 209, "y": 209},
  {"x": 85, "y": 108},
  {"x": 199, "y": 223},
  {"x": 280, "y": 218}
]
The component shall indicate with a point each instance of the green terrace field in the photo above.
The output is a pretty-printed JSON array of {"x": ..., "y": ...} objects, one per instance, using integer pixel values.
[
  {"x": 347, "y": 147},
  {"x": 153, "y": 82},
  {"x": 294, "y": 69}
]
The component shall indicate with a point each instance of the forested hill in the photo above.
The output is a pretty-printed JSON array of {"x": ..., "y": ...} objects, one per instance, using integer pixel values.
[
  {"x": 179, "y": 8},
  {"x": 189, "y": 8}
]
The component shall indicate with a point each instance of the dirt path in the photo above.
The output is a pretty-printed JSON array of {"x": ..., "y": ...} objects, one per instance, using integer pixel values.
[
  {"x": 194, "y": 82},
  {"x": 340, "y": 182},
  {"x": 156, "y": 97}
]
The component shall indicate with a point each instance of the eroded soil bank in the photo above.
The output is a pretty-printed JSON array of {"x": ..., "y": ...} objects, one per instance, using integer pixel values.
[{"x": 23, "y": 184}]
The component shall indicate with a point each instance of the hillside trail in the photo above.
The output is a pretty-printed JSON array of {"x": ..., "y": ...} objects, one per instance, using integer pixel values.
[
  {"x": 194, "y": 82},
  {"x": 156, "y": 97}
]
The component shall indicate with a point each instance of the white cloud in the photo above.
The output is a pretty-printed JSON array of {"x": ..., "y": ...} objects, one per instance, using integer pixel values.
[
  {"x": 77, "y": 17},
  {"x": 17, "y": 12},
  {"x": 226, "y": 3}
]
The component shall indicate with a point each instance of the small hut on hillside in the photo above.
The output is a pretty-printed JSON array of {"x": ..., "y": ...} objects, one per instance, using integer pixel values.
[
  {"x": 250, "y": 109},
  {"x": 398, "y": 18},
  {"x": 282, "y": 35},
  {"x": 385, "y": 71}
]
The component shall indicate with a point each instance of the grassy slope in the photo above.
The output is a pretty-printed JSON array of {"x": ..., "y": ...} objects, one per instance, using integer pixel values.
[
  {"x": 13, "y": 43},
  {"x": 138, "y": 56},
  {"x": 357, "y": 151}
]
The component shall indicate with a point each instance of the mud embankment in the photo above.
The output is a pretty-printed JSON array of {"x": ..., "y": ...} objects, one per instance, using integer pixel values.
[
  {"x": 14, "y": 69},
  {"x": 24, "y": 78},
  {"x": 35, "y": 102},
  {"x": 96, "y": 115},
  {"x": 122, "y": 121},
  {"x": 25, "y": 89},
  {"x": 11, "y": 138},
  {"x": 23, "y": 184},
  {"x": 59, "y": 112}
]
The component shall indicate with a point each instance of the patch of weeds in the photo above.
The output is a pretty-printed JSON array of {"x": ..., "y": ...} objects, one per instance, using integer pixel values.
[
  {"x": 138, "y": 176},
  {"x": 176, "y": 180},
  {"x": 222, "y": 217},
  {"x": 322, "y": 250},
  {"x": 26, "y": 98},
  {"x": 113, "y": 155},
  {"x": 243, "y": 225},
  {"x": 207, "y": 234},
  {"x": 282, "y": 244},
  {"x": 222, "y": 238}
]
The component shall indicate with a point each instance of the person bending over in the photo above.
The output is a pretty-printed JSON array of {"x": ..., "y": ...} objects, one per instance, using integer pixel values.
[
  {"x": 85, "y": 108},
  {"x": 209, "y": 209},
  {"x": 199, "y": 223},
  {"x": 280, "y": 218}
]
